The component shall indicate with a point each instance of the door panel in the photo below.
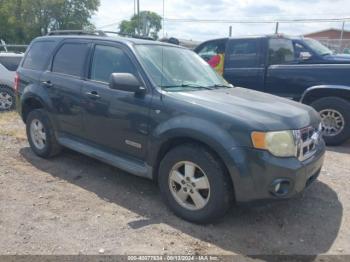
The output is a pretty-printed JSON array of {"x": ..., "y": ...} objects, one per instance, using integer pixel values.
[
  {"x": 286, "y": 75},
  {"x": 114, "y": 119},
  {"x": 64, "y": 93},
  {"x": 64, "y": 82},
  {"x": 252, "y": 78},
  {"x": 289, "y": 81}
]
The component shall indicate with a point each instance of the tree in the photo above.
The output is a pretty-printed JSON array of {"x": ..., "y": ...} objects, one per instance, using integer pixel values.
[
  {"x": 22, "y": 20},
  {"x": 148, "y": 25}
]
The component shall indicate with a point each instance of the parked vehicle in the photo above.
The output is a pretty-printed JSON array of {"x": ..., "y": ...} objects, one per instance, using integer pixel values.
[
  {"x": 301, "y": 69},
  {"x": 159, "y": 111},
  {"x": 8, "y": 66}
]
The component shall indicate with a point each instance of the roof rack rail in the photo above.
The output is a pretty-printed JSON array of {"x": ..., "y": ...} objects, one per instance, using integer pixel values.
[
  {"x": 129, "y": 35},
  {"x": 76, "y": 32},
  {"x": 95, "y": 33}
]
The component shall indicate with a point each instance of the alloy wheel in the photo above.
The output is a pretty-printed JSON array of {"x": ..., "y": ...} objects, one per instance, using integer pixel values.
[
  {"x": 6, "y": 101},
  {"x": 332, "y": 122},
  {"x": 38, "y": 134},
  {"x": 189, "y": 185}
]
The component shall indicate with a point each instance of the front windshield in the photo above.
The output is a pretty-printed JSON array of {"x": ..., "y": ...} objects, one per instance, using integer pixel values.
[
  {"x": 317, "y": 47},
  {"x": 178, "y": 69}
]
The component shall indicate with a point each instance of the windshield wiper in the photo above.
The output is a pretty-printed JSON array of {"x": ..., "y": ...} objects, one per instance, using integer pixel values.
[
  {"x": 221, "y": 85},
  {"x": 187, "y": 85}
]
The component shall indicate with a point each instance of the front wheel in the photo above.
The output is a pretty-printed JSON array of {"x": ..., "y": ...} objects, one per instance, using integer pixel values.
[
  {"x": 194, "y": 184},
  {"x": 335, "y": 116}
]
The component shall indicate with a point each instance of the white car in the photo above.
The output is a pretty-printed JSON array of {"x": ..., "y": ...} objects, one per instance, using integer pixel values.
[{"x": 8, "y": 65}]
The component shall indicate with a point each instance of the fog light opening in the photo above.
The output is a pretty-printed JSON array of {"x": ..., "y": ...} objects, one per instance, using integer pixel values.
[{"x": 280, "y": 187}]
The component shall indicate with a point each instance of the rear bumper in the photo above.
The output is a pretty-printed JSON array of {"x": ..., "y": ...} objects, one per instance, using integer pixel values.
[{"x": 258, "y": 172}]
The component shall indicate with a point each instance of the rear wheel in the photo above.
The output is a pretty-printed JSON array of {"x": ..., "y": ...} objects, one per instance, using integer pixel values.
[
  {"x": 194, "y": 184},
  {"x": 41, "y": 134},
  {"x": 7, "y": 98},
  {"x": 335, "y": 116}
]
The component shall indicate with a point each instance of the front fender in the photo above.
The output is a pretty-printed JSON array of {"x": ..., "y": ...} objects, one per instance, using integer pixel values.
[
  {"x": 191, "y": 127},
  {"x": 319, "y": 91},
  {"x": 208, "y": 133}
]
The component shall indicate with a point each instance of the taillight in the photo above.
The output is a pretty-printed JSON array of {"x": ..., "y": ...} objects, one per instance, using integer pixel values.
[{"x": 17, "y": 80}]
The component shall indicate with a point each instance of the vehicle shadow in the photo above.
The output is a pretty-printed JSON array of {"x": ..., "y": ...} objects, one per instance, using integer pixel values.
[
  {"x": 305, "y": 225},
  {"x": 343, "y": 149}
]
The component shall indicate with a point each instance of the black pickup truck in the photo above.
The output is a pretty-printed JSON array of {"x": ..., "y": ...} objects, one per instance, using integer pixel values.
[{"x": 299, "y": 68}]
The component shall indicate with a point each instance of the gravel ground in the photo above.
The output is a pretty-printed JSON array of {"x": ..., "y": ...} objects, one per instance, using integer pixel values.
[{"x": 73, "y": 204}]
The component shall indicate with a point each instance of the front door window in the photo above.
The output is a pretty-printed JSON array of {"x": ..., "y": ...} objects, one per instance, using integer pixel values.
[{"x": 281, "y": 51}]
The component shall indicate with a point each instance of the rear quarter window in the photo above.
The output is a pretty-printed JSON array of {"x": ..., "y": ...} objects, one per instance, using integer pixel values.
[
  {"x": 10, "y": 63},
  {"x": 38, "y": 55}
]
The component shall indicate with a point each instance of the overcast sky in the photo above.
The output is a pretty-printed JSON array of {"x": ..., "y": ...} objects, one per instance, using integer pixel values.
[{"x": 113, "y": 11}]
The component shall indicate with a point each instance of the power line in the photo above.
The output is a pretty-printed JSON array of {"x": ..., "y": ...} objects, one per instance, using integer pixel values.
[
  {"x": 267, "y": 21},
  {"x": 109, "y": 25},
  {"x": 245, "y": 21}
]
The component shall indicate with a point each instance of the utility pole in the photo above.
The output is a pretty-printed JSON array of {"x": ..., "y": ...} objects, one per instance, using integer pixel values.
[
  {"x": 138, "y": 18},
  {"x": 341, "y": 37},
  {"x": 276, "y": 30},
  {"x": 230, "y": 31},
  {"x": 134, "y": 7},
  {"x": 163, "y": 18}
]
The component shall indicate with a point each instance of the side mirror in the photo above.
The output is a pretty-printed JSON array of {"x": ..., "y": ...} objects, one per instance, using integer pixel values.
[
  {"x": 305, "y": 56},
  {"x": 126, "y": 82}
]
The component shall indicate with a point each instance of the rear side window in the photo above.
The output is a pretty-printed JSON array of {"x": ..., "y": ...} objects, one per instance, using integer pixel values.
[
  {"x": 70, "y": 59},
  {"x": 10, "y": 63},
  {"x": 243, "y": 53},
  {"x": 211, "y": 49},
  {"x": 38, "y": 55},
  {"x": 281, "y": 51},
  {"x": 108, "y": 60}
]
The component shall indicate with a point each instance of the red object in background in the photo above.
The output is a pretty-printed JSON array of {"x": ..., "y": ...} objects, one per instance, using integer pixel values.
[
  {"x": 214, "y": 61},
  {"x": 17, "y": 79}
]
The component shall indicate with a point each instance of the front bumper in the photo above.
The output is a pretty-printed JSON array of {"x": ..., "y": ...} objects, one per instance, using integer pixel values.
[{"x": 256, "y": 173}]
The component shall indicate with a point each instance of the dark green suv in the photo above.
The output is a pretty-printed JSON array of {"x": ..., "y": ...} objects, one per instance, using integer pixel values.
[{"x": 159, "y": 111}]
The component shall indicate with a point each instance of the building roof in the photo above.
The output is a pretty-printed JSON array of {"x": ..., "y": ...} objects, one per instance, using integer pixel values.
[{"x": 329, "y": 33}]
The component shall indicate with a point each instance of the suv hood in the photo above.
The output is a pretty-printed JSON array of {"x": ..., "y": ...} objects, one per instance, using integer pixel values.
[{"x": 254, "y": 110}]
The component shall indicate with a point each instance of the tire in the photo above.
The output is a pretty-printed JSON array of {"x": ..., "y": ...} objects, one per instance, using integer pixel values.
[
  {"x": 38, "y": 119},
  {"x": 340, "y": 109},
  {"x": 7, "y": 98},
  {"x": 218, "y": 198}
]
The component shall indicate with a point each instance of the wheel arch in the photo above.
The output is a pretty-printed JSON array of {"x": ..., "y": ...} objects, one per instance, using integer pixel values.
[
  {"x": 200, "y": 133},
  {"x": 29, "y": 103},
  {"x": 317, "y": 92}
]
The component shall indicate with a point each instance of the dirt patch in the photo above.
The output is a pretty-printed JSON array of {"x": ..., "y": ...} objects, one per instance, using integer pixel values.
[
  {"x": 12, "y": 125},
  {"x": 73, "y": 204}
]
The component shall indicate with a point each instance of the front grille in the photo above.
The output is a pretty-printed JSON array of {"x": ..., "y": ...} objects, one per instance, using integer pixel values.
[{"x": 309, "y": 137}]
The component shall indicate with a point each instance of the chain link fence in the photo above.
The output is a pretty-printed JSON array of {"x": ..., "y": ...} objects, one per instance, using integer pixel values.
[{"x": 337, "y": 45}]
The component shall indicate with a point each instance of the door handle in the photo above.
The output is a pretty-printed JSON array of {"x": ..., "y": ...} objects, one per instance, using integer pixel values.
[
  {"x": 47, "y": 83},
  {"x": 93, "y": 95}
]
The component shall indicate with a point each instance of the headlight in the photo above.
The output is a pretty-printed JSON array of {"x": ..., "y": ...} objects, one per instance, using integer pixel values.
[{"x": 279, "y": 143}]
